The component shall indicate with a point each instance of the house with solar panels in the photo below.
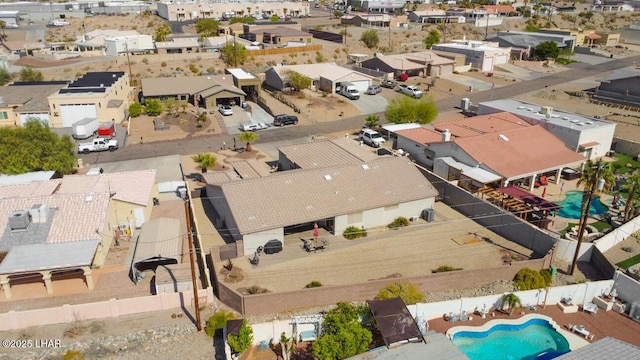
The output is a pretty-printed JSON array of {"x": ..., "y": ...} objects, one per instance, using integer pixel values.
[{"x": 102, "y": 95}]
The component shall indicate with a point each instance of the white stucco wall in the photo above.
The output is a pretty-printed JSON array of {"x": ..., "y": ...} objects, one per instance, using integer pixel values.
[
  {"x": 252, "y": 241},
  {"x": 384, "y": 215}
]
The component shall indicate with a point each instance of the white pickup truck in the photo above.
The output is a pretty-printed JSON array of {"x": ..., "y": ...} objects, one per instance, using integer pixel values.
[{"x": 98, "y": 144}]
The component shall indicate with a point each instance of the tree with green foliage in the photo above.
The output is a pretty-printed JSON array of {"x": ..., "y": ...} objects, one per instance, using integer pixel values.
[
  {"x": 218, "y": 321},
  {"x": 606, "y": 173},
  {"x": 248, "y": 137},
  {"x": 528, "y": 279},
  {"x": 531, "y": 26},
  {"x": 152, "y": 107},
  {"x": 275, "y": 18},
  {"x": 338, "y": 14},
  {"x": 344, "y": 335},
  {"x": 5, "y": 76},
  {"x": 403, "y": 109},
  {"x": 297, "y": 80},
  {"x": 547, "y": 49},
  {"x": 371, "y": 120},
  {"x": 34, "y": 147},
  {"x": 28, "y": 74},
  {"x": 407, "y": 292},
  {"x": 204, "y": 161},
  {"x": 233, "y": 54},
  {"x": 241, "y": 342},
  {"x": 633, "y": 186},
  {"x": 162, "y": 32},
  {"x": 3, "y": 26},
  {"x": 370, "y": 38},
  {"x": 512, "y": 301},
  {"x": 432, "y": 38},
  {"x": 135, "y": 109},
  {"x": 207, "y": 28}
]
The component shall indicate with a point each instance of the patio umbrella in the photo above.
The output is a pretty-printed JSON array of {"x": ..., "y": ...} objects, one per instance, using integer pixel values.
[
  {"x": 316, "y": 232},
  {"x": 544, "y": 191}
]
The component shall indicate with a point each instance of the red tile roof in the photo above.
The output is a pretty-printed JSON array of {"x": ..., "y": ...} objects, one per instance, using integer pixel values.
[
  {"x": 480, "y": 125},
  {"x": 519, "y": 151},
  {"x": 496, "y": 9},
  {"x": 421, "y": 135}
]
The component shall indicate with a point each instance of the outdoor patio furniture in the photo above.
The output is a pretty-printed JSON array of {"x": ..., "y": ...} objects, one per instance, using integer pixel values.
[
  {"x": 580, "y": 330},
  {"x": 590, "y": 308}
]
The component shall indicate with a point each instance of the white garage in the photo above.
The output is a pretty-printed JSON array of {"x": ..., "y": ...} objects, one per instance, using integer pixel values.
[
  {"x": 43, "y": 117},
  {"x": 72, "y": 113}
]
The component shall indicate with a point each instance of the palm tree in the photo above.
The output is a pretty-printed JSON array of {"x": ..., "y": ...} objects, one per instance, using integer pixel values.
[
  {"x": 3, "y": 25},
  {"x": 607, "y": 173},
  {"x": 372, "y": 120},
  {"x": 512, "y": 301},
  {"x": 633, "y": 185},
  {"x": 248, "y": 137},
  {"x": 204, "y": 161}
]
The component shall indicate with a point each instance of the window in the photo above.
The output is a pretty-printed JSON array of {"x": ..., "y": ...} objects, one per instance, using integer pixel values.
[{"x": 4, "y": 115}]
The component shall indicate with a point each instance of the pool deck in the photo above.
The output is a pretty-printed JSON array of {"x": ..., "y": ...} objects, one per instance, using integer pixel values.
[{"x": 603, "y": 324}]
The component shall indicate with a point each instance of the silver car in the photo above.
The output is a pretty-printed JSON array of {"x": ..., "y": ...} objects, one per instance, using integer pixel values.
[
  {"x": 226, "y": 110},
  {"x": 373, "y": 89}
]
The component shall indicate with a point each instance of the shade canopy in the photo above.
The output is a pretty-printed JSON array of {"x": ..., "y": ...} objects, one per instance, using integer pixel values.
[{"x": 529, "y": 198}]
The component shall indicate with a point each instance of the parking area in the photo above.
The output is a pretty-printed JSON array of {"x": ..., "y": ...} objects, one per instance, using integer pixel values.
[{"x": 370, "y": 104}]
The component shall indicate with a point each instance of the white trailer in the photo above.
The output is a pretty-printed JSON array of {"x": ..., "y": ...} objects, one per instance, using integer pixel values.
[{"x": 85, "y": 128}]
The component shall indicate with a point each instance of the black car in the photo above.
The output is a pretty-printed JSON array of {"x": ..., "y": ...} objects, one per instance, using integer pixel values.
[{"x": 282, "y": 120}]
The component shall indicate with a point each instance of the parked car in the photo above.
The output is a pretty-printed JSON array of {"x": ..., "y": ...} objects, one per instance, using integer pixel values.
[
  {"x": 373, "y": 89},
  {"x": 371, "y": 137},
  {"x": 389, "y": 84},
  {"x": 254, "y": 126},
  {"x": 225, "y": 110},
  {"x": 283, "y": 119},
  {"x": 410, "y": 90}
]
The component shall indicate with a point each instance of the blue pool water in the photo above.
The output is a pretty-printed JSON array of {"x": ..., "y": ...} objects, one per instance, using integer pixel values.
[
  {"x": 572, "y": 206},
  {"x": 535, "y": 339}
]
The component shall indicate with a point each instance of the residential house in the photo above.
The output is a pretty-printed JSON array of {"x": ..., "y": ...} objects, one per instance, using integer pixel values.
[
  {"x": 218, "y": 42},
  {"x": 245, "y": 81},
  {"x": 481, "y": 55},
  {"x": 323, "y": 153},
  {"x": 102, "y": 95},
  {"x": 378, "y": 6},
  {"x": 179, "y": 45},
  {"x": 261, "y": 209},
  {"x": 22, "y": 101},
  {"x": 499, "y": 10},
  {"x": 585, "y": 135},
  {"x": 610, "y": 6},
  {"x": 55, "y": 227},
  {"x": 587, "y": 37},
  {"x": 523, "y": 43},
  {"x": 499, "y": 149},
  {"x": 254, "y": 32},
  {"x": 324, "y": 76},
  {"x": 207, "y": 91},
  {"x": 425, "y": 63},
  {"x": 429, "y": 16},
  {"x": 133, "y": 44},
  {"x": 622, "y": 88},
  {"x": 11, "y": 19},
  {"x": 280, "y": 35},
  {"x": 370, "y": 20},
  {"x": 95, "y": 39}
]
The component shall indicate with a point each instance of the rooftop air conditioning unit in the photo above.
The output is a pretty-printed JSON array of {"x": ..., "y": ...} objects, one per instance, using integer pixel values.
[
  {"x": 39, "y": 213},
  {"x": 19, "y": 220}
]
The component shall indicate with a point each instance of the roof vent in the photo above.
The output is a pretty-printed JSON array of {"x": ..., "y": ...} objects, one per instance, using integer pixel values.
[
  {"x": 555, "y": 116},
  {"x": 501, "y": 136},
  {"x": 39, "y": 213},
  {"x": 89, "y": 197},
  {"x": 365, "y": 166},
  {"x": 589, "y": 122},
  {"x": 565, "y": 118},
  {"x": 580, "y": 124},
  {"x": 328, "y": 177},
  {"x": 529, "y": 109},
  {"x": 19, "y": 220},
  {"x": 522, "y": 107},
  {"x": 575, "y": 121}
]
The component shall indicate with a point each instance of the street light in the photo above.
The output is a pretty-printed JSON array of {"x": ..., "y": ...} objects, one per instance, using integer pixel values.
[{"x": 596, "y": 184}]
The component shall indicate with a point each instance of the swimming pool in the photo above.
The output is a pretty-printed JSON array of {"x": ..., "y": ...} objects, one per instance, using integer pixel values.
[
  {"x": 535, "y": 338},
  {"x": 572, "y": 205}
]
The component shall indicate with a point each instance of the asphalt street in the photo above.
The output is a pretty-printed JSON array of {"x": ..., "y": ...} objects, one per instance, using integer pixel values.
[{"x": 214, "y": 142}]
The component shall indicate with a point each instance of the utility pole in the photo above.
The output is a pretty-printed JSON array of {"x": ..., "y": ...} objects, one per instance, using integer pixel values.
[
  {"x": 196, "y": 301},
  {"x": 126, "y": 48},
  {"x": 235, "y": 51},
  {"x": 390, "y": 47},
  {"x": 586, "y": 206}
]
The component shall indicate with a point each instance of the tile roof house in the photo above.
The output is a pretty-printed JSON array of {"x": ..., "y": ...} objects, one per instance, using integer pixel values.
[
  {"x": 102, "y": 95},
  {"x": 258, "y": 210},
  {"x": 586, "y": 135},
  {"x": 70, "y": 223},
  {"x": 424, "y": 63},
  {"x": 323, "y": 153},
  {"x": 484, "y": 149},
  {"x": 623, "y": 88},
  {"x": 206, "y": 91}
]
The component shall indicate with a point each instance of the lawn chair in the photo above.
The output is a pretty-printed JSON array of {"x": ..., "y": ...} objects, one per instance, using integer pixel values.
[{"x": 590, "y": 308}]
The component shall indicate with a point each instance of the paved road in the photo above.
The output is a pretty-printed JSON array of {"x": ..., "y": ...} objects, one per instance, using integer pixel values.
[{"x": 201, "y": 144}]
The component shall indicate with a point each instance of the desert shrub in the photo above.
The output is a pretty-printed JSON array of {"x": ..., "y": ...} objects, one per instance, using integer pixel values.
[
  {"x": 313, "y": 284},
  {"x": 353, "y": 232},
  {"x": 445, "y": 268},
  {"x": 255, "y": 289},
  {"x": 145, "y": 61},
  {"x": 241, "y": 342},
  {"x": 407, "y": 292},
  {"x": 528, "y": 279},
  {"x": 163, "y": 64},
  {"x": 398, "y": 222},
  {"x": 73, "y": 355},
  {"x": 218, "y": 321}
]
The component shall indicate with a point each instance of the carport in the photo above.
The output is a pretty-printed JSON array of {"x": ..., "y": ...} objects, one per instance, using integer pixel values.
[{"x": 159, "y": 243}]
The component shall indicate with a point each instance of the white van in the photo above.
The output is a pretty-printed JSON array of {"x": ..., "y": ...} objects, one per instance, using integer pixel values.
[{"x": 349, "y": 90}]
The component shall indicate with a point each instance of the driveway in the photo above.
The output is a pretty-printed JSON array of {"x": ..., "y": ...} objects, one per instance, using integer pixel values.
[
  {"x": 234, "y": 122},
  {"x": 370, "y": 104},
  {"x": 589, "y": 59},
  {"x": 478, "y": 85}
]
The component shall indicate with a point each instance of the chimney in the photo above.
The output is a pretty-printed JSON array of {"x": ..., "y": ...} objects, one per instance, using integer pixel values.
[
  {"x": 446, "y": 135},
  {"x": 546, "y": 110},
  {"x": 39, "y": 213}
]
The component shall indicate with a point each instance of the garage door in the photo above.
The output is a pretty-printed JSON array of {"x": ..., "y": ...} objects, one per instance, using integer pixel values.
[
  {"x": 43, "y": 117},
  {"x": 487, "y": 64},
  {"x": 361, "y": 85},
  {"x": 74, "y": 112},
  {"x": 501, "y": 59}
]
